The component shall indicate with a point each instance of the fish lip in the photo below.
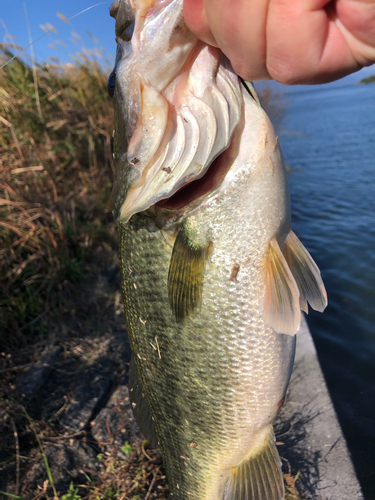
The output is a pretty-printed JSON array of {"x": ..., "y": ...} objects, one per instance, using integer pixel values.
[{"x": 123, "y": 50}]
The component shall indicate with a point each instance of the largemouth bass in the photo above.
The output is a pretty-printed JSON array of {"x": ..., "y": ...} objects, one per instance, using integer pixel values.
[{"x": 213, "y": 277}]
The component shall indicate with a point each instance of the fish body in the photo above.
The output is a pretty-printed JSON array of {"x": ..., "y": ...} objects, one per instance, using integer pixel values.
[{"x": 213, "y": 278}]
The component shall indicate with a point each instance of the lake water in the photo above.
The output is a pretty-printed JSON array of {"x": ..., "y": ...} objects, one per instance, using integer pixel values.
[{"x": 329, "y": 143}]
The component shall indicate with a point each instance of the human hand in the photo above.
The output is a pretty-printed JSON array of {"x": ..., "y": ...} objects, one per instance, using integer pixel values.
[{"x": 291, "y": 41}]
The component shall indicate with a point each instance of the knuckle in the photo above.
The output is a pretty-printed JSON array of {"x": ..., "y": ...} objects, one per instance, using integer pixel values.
[
  {"x": 241, "y": 69},
  {"x": 284, "y": 72},
  {"x": 249, "y": 72}
]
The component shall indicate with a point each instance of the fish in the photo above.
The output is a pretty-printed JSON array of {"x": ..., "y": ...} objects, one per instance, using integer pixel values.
[{"x": 213, "y": 277}]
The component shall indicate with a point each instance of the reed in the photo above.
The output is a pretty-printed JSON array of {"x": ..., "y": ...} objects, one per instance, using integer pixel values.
[{"x": 56, "y": 174}]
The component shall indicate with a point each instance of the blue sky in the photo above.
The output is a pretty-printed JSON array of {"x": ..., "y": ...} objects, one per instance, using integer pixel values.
[
  {"x": 40, "y": 12},
  {"x": 74, "y": 35}
]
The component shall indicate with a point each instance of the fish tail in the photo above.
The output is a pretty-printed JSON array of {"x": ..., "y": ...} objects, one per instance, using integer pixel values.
[{"x": 258, "y": 476}]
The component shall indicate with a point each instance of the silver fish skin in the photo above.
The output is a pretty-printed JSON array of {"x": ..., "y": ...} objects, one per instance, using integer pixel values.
[{"x": 213, "y": 277}]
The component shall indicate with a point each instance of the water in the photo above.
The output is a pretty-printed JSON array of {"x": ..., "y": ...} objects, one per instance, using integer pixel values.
[{"x": 329, "y": 143}]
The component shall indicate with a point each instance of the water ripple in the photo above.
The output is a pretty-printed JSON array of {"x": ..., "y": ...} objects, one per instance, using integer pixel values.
[{"x": 333, "y": 203}]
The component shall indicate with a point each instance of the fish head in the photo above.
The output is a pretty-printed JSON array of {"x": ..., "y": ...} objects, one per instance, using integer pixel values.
[{"x": 177, "y": 103}]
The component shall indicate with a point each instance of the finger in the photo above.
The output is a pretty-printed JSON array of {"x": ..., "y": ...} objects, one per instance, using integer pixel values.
[
  {"x": 358, "y": 16},
  {"x": 356, "y": 21},
  {"x": 305, "y": 44},
  {"x": 196, "y": 21},
  {"x": 239, "y": 28}
]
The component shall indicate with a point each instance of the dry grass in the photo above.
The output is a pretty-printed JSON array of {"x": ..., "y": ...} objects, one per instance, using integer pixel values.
[
  {"x": 141, "y": 476},
  {"x": 56, "y": 174}
]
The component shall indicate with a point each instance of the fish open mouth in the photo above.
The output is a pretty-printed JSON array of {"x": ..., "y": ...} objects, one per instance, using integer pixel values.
[
  {"x": 211, "y": 180},
  {"x": 213, "y": 176}
]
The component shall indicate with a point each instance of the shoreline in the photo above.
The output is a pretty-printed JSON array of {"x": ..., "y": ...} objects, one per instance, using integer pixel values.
[{"x": 307, "y": 425}]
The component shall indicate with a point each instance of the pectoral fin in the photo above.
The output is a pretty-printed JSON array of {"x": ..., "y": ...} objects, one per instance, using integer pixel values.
[
  {"x": 306, "y": 274},
  {"x": 186, "y": 273},
  {"x": 282, "y": 308},
  {"x": 259, "y": 476}
]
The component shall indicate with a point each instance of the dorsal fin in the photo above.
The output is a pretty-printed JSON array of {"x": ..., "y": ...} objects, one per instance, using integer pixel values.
[
  {"x": 282, "y": 309},
  {"x": 306, "y": 273},
  {"x": 186, "y": 273}
]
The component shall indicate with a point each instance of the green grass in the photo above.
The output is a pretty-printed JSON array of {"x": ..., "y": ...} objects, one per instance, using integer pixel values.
[
  {"x": 45, "y": 459},
  {"x": 72, "y": 493},
  {"x": 10, "y": 495}
]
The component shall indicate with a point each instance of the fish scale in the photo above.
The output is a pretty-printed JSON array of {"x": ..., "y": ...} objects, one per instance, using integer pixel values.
[{"x": 218, "y": 418}]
